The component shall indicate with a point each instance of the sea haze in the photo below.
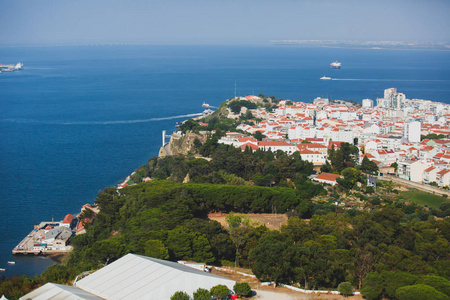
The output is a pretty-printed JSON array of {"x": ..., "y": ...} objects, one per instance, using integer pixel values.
[{"x": 78, "y": 119}]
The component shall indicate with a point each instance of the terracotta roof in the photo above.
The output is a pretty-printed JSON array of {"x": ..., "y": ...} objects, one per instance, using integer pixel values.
[
  {"x": 307, "y": 151},
  {"x": 328, "y": 176},
  {"x": 247, "y": 139},
  {"x": 274, "y": 144},
  {"x": 253, "y": 147},
  {"x": 443, "y": 172},
  {"x": 68, "y": 219}
]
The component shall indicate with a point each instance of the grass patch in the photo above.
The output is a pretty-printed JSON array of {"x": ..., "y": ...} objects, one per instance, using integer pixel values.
[{"x": 424, "y": 198}]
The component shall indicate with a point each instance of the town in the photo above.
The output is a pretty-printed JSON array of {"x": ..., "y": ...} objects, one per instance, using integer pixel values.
[{"x": 387, "y": 131}]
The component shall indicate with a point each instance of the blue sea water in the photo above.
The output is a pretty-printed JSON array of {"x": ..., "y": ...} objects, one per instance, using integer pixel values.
[{"x": 77, "y": 119}]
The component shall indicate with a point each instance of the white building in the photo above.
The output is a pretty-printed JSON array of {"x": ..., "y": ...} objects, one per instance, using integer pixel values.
[
  {"x": 133, "y": 277},
  {"x": 367, "y": 103},
  {"x": 413, "y": 132}
]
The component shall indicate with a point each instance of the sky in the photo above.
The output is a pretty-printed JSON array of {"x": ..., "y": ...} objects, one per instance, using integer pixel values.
[{"x": 49, "y": 22}]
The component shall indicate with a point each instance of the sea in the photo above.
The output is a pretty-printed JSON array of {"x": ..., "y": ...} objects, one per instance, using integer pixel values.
[{"x": 77, "y": 119}]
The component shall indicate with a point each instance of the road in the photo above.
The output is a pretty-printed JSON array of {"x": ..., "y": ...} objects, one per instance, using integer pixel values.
[{"x": 420, "y": 186}]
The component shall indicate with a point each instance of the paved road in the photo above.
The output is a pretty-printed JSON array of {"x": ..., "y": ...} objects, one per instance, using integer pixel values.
[{"x": 419, "y": 186}]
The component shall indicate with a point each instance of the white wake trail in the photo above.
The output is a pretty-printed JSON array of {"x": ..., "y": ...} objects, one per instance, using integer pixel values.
[
  {"x": 31, "y": 121},
  {"x": 404, "y": 80}
]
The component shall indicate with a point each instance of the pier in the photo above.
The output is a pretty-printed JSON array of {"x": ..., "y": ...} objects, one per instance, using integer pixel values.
[{"x": 45, "y": 239}]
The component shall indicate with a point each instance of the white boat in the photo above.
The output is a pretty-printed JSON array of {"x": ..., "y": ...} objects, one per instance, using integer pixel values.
[
  {"x": 325, "y": 78},
  {"x": 11, "y": 262},
  {"x": 2, "y": 270},
  {"x": 205, "y": 104},
  {"x": 335, "y": 65}
]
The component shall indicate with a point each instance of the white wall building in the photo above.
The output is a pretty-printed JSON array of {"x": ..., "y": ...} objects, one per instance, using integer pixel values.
[
  {"x": 367, "y": 103},
  {"x": 413, "y": 132}
]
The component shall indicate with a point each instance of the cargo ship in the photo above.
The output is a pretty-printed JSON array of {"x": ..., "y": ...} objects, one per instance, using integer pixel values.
[{"x": 335, "y": 65}]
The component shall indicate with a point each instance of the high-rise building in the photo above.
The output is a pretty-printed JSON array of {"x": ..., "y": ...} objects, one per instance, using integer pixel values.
[
  {"x": 391, "y": 99},
  {"x": 412, "y": 131}
]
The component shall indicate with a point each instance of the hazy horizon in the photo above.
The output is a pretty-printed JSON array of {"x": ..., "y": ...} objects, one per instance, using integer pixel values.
[{"x": 60, "y": 22}]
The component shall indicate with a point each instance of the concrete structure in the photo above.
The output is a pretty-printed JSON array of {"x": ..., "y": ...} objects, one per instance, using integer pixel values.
[
  {"x": 274, "y": 146},
  {"x": 413, "y": 132},
  {"x": 412, "y": 170},
  {"x": 140, "y": 277},
  {"x": 59, "y": 292},
  {"x": 367, "y": 103},
  {"x": 133, "y": 277}
]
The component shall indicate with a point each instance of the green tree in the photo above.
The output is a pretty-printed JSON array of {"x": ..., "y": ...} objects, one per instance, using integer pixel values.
[
  {"x": 180, "y": 296},
  {"x": 326, "y": 167},
  {"x": 258, "y": 135},
  {"x": 369, "y": 166},
  {"x": 345, "y": 288},
  {"x": 350, "y": 177},
  {"x": 373, "y": 285},
  {"x": 109, "y": 250},
  {"x": 242, "y": 289},
  {"x": 397, "y": 279},
  {"x": 238, "y": 228},
  {"x": 156, "y": 249},
  {"x": 439, "y": 283},
  {"x": 419, "y": 292},
  {"x": 395, "y": 166},
  {"x": 220, "y": 291},
  {"x": 202, "y": 294},
  {"x": 273, "y": 258},
  {"x": 180, "y": 243}
]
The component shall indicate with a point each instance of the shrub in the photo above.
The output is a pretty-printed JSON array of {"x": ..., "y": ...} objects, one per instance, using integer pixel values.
[
  {"x": 202, "y": 294},
  {"x": 397, "y": 279},
  {"x": 419, "y": 292},
  {"x": 439, "y": 283},
  {"x": 242, "y": 289},
  {"x": 369, "y": 293},
  {"x": 180, "y": 296},
  {"x": 345, "y": 288},
  {"x": 219, "y": 291}
]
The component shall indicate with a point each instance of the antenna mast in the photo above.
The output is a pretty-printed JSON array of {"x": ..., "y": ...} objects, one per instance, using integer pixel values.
[{"x": 235, "y": 89}]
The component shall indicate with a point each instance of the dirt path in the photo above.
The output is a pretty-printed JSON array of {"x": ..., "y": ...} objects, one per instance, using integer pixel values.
[{"x": 272, "y": 221}]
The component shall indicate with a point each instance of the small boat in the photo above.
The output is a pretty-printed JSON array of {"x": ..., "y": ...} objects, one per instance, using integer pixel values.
[
  {"x": 2, "y": 270},
  {"x": 205, "y": 104},
  {"x": 335, "y": 65},
  {"x": 325, "y": 78},
  {"x": 11, "y": 262}
]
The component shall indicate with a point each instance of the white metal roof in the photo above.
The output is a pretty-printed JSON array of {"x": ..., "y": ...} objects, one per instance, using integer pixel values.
[
  {"x": 139, "y": 277},
  {"x": 58, "y": 292}
]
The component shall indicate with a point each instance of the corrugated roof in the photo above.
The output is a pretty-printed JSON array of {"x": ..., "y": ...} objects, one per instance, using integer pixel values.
[
  {"x": 58, "y": 292},
  {"x": 139, "y": 277}
]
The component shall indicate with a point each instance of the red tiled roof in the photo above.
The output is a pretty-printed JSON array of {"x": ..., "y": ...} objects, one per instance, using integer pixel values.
[
  {"x": 443, "y": 172},
  {"x": 68, "y": 219},
  {"x": 429, "y": 169},
  {"x": 273, "y": 144},
  {"x": 328, "y": 176},
  {"x": 253, "y": 147}
]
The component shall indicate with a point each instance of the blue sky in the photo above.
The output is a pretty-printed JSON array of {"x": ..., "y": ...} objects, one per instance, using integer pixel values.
[{"x": 220, "y": 21}]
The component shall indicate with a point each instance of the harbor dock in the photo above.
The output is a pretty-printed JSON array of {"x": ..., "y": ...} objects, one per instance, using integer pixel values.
[
  {"x": 45, "y": 239},
  {"x": 49, "y": 238}
]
